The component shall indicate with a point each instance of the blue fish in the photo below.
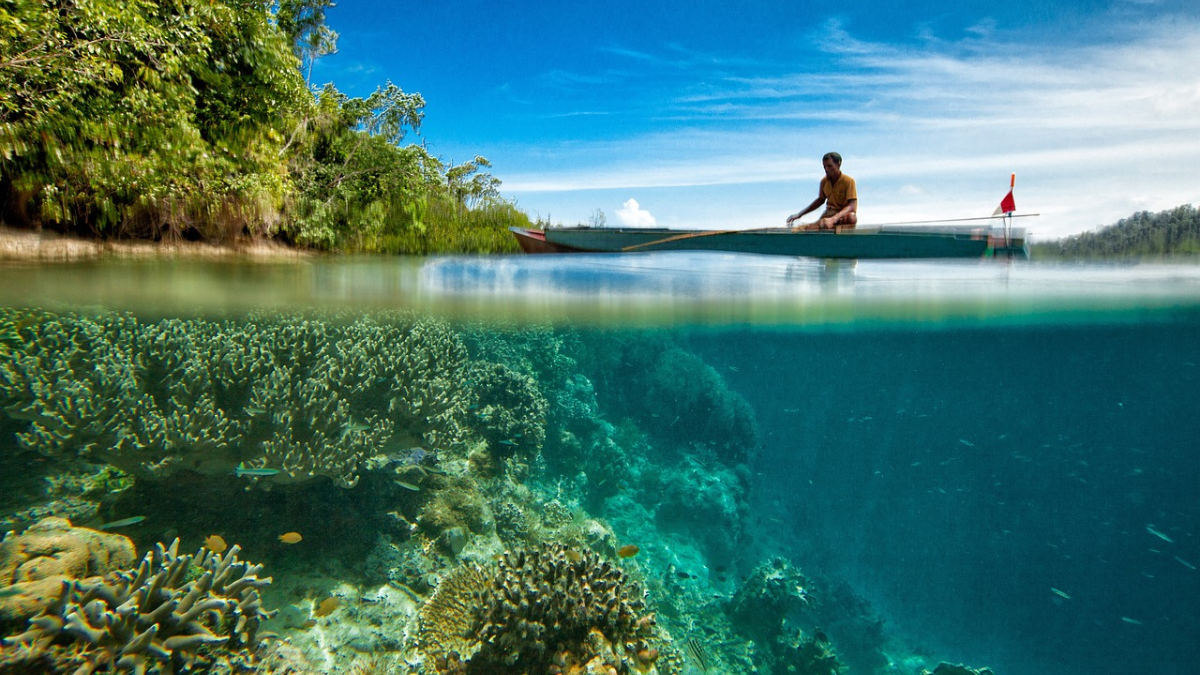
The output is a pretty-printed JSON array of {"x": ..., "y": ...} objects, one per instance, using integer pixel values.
[
  {"x": 124, "y": 522},
  {"x": 241, "y": 471}
]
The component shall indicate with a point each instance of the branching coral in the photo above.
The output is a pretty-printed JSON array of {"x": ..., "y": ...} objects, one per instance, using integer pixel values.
[
  {"x": 302, "y": 395},
  {"x": 549, "y": 610},
  {"x": 509, "y": 412},
  {"x": 157, "y": 617}
]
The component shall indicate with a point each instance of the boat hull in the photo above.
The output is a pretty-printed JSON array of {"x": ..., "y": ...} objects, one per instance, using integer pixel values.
[{"x": 880, "y": 242}]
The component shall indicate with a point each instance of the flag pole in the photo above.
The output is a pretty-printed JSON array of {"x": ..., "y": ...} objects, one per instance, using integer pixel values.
[{"x": 1012, "y": 183}]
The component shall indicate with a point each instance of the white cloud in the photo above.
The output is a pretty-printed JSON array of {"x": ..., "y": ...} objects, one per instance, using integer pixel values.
[
  {"x": 631, "y": 215},
  {"x": 1093, "y": 133}
]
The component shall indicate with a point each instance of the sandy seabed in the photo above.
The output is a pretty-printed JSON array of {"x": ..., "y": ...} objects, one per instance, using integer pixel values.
[{"x": 41, "y": 246}]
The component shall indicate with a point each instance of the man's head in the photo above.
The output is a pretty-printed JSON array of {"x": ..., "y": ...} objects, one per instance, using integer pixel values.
[{"x": 833, "y": 165}]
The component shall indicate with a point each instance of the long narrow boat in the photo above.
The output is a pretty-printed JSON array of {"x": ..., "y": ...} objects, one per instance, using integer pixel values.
[{"x": 884, "y": 241}]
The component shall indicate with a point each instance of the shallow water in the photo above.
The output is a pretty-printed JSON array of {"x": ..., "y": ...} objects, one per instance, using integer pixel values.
[{"x": 956, "y": 441}]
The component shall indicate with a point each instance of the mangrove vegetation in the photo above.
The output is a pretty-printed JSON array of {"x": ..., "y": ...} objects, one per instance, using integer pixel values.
[{"x": 159, "y": 119}]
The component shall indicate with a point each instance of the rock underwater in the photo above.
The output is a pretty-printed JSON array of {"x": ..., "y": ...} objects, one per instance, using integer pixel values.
[{"x": 35, "y": 563}]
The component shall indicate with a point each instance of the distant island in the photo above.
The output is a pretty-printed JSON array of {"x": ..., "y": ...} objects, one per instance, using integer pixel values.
[{"x": 1174, "y": 232}]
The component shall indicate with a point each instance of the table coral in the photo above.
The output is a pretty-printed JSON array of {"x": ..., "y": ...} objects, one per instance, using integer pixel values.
[{"x": 157, "y": 617}]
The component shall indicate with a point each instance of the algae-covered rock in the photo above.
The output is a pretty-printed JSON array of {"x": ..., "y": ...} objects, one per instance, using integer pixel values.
[
  {"x": 35, "y": 563},
  {"x": 763, "y": 601}
]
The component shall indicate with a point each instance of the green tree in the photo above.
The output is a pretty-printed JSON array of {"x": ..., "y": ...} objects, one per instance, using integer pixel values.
[
  {"x": 303, "y": 22},
  {"x": 144, "y": 118}
]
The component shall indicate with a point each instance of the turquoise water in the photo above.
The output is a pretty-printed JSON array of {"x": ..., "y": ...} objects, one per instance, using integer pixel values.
[{"x": 986, "y": 463}]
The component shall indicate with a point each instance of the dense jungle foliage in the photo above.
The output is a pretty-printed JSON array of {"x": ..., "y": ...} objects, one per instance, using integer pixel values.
[
  {"x": 189, "y": 118},
  {"x": 1175, "y": 232}
]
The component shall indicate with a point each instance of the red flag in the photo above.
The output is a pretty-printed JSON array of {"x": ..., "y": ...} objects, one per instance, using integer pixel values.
[{"x": 1007, "y": 205}]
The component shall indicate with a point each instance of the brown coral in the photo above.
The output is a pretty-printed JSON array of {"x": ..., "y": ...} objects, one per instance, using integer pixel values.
[
  {"x": 157, "y": 616},
  {"x": 539, "y": 610},
  {"x": 34, "y": 564}
]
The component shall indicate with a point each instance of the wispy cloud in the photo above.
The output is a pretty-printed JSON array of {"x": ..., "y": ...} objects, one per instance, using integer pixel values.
[{"x": 1099, "y": 130}]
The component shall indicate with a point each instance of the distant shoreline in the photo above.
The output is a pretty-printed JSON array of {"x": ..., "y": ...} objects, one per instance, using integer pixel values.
[{"x": 34, "y": 246}]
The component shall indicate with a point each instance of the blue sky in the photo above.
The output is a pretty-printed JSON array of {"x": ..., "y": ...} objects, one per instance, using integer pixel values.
[{"x": 715, "y": 114}]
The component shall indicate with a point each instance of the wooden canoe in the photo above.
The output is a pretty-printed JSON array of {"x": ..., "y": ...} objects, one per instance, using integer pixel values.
[{"x": 862, "y": 242}]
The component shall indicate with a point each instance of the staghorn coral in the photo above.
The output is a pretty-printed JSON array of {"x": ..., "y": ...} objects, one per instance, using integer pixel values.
[
  {"x": 304, "y": 395},
  {"x": 34, "y": 564},
  {"x": 157, "y": 617},
  {"x": 548, "y": 610}
]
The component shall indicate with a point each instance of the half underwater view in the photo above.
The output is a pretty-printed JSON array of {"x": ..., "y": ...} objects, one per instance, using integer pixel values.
[{"x": 663, "y": 463}]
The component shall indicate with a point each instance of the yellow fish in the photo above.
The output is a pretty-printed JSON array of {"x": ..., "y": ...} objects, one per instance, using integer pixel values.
[
  {"x": 326, "y": 607},
  {"x": 628, "y": 551},
  {"x": 291, "y": 538},
  {"x": 215, "y": 543}
]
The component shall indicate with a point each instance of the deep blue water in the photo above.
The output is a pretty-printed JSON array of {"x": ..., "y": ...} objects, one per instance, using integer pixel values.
[
  {"x": 1003, "y": 459},
  {"x": 957, "y": 476}
]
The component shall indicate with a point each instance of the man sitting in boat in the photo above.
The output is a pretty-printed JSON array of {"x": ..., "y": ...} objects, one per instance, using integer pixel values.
[{"x": 839, "y": 195}]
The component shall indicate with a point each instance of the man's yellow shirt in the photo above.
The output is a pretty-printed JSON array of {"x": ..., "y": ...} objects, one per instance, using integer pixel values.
[{"x": 838, "y": 194}]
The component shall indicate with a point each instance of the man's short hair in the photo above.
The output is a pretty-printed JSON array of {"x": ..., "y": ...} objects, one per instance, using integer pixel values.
[{"x": 837, "y": 159}]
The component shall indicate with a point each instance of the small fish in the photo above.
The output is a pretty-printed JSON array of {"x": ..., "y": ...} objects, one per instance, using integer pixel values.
[
  {"x": 508, "y": 442},
  {"x": 473, "y": 406},
  {"x": 1160, "y": 535},
  {"x": 407, "y": 486},
  {"x": 327, "y": 606},
  {"x": 308, "y": 624},
  {"x": 242, "y": 471},
  {"x": 215, "y": 543},
  {"x": 1061, "y": 594},
  {"x": 1132, "y": 621},
  {"x": 255, "y": 412},
  {"x": 967, "y": 443},
  {"x": 291, "y": 538},
  {"x": 696, "y": 651},
  {"x": 354, "y": 426},
  {"x": 683, "y": 575},
  {"x": 574, "y": 556},
  {"x": 1185, "y": 563},
  {"x": 628, "y": 551},
  {"x": 124, "y": 522}
]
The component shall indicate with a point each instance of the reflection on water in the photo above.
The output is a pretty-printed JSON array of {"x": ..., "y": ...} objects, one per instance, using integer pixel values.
[{"x": 649, "y": 288}]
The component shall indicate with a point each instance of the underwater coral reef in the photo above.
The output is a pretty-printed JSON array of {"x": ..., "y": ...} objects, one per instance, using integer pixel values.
[{"x": 427, "y": 497}]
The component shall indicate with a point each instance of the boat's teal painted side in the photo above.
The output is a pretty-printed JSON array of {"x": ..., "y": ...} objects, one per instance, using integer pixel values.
[{"x": 880, "y": 242}]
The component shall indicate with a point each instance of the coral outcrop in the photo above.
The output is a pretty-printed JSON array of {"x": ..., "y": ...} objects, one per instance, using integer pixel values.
[
  {"x": 508, "y": 411},
  {"x": 774, "y": 589},
  {"x": 164, "y": 616},
  {"x": 762, "y": 608},
  {"x": 35, "y": 563},
  {"x": 951, "y": 669},
  {"x": 302, "y": 395},
  {"x": 548, "y": 610}
]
